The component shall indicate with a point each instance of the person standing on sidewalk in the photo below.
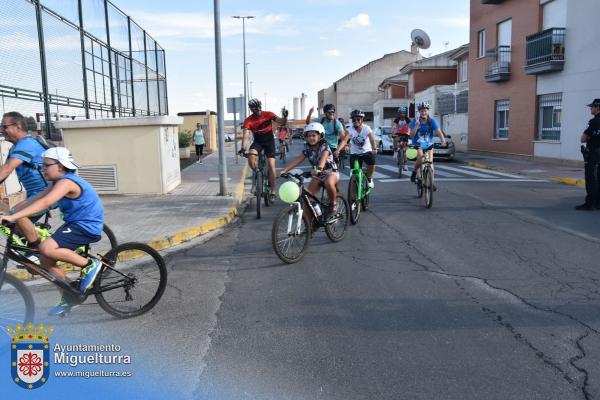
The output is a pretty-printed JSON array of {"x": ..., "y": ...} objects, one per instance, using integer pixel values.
[
  {"x": 199, "y": 142},
  {"x": 591, "y": 156}
]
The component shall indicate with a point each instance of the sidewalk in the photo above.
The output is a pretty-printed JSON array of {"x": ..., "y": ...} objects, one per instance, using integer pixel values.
[
  {"x": 190, "y": 210},
  {"x": 567, "y": 174}
]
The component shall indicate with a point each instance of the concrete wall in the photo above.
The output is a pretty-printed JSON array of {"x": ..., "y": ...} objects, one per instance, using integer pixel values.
[
  {"x": 520, "y": 89},
  {"x": 378, "y": 107},
  {"x": 578, "y": 82},
  {"x": 144, "y": 151},
  {"x": 457, "y": 126},
  {"x": 359, "y": 88}
]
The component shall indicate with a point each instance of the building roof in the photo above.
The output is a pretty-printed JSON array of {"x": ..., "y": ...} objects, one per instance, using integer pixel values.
[
  {"x": 398, "y": 78},
  {"x": 439, "y": 61},
  {"x": 366, "y": 66},
  {"x": 459, "y": 52}
]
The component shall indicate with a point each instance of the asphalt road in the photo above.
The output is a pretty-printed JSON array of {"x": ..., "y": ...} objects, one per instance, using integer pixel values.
[{"x": 491, "y": 294}]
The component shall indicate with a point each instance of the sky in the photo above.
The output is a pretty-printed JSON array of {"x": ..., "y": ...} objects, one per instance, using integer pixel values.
[{"x": 293, "y": 47}]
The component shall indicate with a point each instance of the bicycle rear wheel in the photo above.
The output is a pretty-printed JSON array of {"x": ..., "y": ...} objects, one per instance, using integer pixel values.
[
  {"x": 259, "y": 191},
  {"x": 419, "y": 185},
  {"x": 16, "y": 303},
  {"x": 289, "y": 244},
  {"x": 353, "y": 202},
  {"x": 107, "y": 241},
  {"x": 337, "y": 230},
  {"x": 133, "y": 283}
]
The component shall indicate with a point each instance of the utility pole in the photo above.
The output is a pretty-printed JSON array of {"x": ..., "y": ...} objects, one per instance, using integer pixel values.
[
  {"x": 220, "y": 110},
  {"x": 244, "y": 18}
]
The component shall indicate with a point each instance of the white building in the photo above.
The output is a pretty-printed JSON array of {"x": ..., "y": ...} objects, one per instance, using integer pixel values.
[{"x": 562, "y": 93}]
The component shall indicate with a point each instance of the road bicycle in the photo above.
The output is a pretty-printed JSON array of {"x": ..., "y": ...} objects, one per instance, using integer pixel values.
[
  {"x": 359, "y": 192},
  {"x": 107, "y": 240},
  {"x": 260, "y": 183},
  {"x": 283, "y": 150},
  {"x": 132, "y": 279},
  {"x": 424, "y": 179},
  {"x": 296, "y": 223}
]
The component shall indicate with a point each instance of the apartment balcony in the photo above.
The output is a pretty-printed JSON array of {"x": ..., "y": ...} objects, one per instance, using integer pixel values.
[
  {"x": 545, "y": 51},
  {"x": 498, "y": 64}
]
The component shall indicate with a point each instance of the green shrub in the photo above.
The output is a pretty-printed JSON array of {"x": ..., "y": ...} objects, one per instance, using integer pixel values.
[{"x": 185, "y": 138}]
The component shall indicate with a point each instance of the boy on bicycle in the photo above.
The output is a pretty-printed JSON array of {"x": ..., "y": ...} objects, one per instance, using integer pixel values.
[
  {"x": 422, "y": 130},
  {"x": 362, "y": 144},
  {"x": 320, "y": 156},
  {"x": 83, "y": 214},
  {"x": 401, "y": 135}
]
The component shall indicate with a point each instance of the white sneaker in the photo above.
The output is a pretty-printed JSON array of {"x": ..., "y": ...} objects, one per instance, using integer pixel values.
[
  {"x": 405, "y": 167},
  {"x": 370, "y": 183}
]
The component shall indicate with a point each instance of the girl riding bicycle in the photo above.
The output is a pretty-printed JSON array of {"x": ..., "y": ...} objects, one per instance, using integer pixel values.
[
  {"x": 422, "y": 130},
  {"x": 83, "y": 215},
  {"x": 362, "y": 144},
  {"x": 318, "y": 153}
]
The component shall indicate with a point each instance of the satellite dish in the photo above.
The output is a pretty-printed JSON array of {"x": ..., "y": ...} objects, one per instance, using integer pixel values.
[{"x": 420, "y": 39}]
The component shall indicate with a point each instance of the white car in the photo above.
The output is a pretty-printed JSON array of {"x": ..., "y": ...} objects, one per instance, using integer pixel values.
[{"x": 383, "y": 139}]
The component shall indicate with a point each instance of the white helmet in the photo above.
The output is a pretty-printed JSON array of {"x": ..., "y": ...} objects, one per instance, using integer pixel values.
[{"x": 316, "y": 127}]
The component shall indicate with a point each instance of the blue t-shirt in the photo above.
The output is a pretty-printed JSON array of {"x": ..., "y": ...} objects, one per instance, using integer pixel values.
[
  {"x": 424, "y": 135},
  {"x": 331, "y": 135},
  {"x": 30, "y": 152},
  {"x": 86, "y": 210}
]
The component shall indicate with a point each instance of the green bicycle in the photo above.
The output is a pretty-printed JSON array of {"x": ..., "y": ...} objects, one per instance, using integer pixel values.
[{"x": 358, "y": 191}]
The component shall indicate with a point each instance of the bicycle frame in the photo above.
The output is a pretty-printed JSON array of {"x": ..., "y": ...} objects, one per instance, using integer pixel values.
[
  {"x": 425, "y": 161},
  {"x": 12, "y": 252},
  {"x": 360, "y": 176}
]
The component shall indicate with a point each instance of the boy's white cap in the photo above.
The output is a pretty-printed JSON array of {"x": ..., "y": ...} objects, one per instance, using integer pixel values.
[{"x": 62, "y": 155}]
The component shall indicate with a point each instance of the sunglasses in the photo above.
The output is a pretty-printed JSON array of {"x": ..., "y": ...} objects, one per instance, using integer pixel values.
[
  {"x": 330, "y": 112},
  {"x": 6, "y": 126},
  {"x": 44, "y": 165},
  {"x": 356, "y": 119}
]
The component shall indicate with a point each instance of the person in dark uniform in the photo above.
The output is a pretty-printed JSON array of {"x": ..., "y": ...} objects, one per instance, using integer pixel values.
[{"x": 591, "y": 156}]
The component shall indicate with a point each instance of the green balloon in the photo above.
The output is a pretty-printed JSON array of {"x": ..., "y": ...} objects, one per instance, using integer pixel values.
[
  {"x": 411, "y": 153},
  {"x": 289, "y": 192}
]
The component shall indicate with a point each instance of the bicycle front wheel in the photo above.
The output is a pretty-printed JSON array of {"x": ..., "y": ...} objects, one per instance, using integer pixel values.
[
  {"x": 364, "y": 202},
  {"x": 428, "y": 187},
  {"x": 337, "y": 226},
  {"x": 259, "y": 191},
  {"x": 16, "y": 303},
  {"x": 290, "y": 235},
  {"x": 132, "y": 281},
  {"x": 353, "y": 201}
]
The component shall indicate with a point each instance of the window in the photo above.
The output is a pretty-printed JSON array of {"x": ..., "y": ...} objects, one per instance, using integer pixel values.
[
  {"x": 463, "y": 70},
  {"x": 502, "y": 110},
  {"x": 481, "y": 43},
  {"x": 550, "y": 110}
]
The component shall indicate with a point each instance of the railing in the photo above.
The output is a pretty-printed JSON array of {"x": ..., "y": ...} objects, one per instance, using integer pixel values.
[
  {"x": 545, "y": 51},
  {"x": 498, "y": 68}
]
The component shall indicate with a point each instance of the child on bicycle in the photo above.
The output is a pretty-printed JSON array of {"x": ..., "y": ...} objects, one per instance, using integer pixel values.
[
  {"x": 83, "y": 214},
  {"x": 422, "y": 130},
  {"x": 320, "y": 156},
  {"x": 401, "y": 135},
  {"x": 362, "y": 144}
]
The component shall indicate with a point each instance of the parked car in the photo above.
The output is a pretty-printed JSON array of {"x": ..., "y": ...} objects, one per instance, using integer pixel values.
[
  {"x": 298, "y": 133},
  {"x": 383, "y": 139},
  {"x": 447, "y": 152}
]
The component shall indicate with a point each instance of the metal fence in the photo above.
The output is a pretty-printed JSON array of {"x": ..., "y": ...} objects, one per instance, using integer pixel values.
[
  {"x": 451, "y": 103},
  {"x": 76, "y": 59}
]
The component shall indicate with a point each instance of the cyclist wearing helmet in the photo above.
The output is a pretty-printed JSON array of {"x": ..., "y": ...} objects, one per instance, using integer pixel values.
[
  {"x": 334, "y": 129},
  {"x": 422, "y": 130},
  {"x": 362, "y": 144},
  {"x": 320, "y": 156},
  {"x": 260, "y": 123},
  {"x": 400, "y": 134}
]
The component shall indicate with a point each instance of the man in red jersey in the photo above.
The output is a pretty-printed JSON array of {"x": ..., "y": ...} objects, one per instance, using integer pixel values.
[{"x": 260, "y": 123}]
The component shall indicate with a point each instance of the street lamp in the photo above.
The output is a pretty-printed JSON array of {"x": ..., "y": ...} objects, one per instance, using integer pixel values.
[
  {"x": 246, "y": 81},
  {"x": 251, "y": 82},
  {"x": 244, "y": 18}
]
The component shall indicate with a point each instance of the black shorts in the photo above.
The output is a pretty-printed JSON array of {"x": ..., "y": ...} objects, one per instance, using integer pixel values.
[
  {"x": 368, "y": 158},
  {"x": 199, "y": 148},
  {"x": 265, "y": 143}
]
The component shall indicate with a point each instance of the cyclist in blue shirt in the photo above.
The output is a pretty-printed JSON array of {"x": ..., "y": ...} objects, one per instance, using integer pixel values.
[
  {"x": 83, "y": 214},
  {"x": 25, "y": 158},
  {"x": 334, "y": 129},
  {"x": 422, "y": 130}
]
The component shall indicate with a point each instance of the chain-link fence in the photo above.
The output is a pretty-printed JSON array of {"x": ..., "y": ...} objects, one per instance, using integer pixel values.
[{"x": 75, "y": 59}]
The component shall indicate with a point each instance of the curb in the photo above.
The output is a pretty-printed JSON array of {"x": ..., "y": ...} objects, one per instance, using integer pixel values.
[
  {"x": 564, "y": 181},
  {"x": 178, "y": 238}
]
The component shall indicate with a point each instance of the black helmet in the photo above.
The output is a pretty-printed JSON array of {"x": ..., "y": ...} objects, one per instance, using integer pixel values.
[
  {"x": 328, "y": 108},
  {"x": 254, "y": 103},
  {"x": 357, "y": 113}
]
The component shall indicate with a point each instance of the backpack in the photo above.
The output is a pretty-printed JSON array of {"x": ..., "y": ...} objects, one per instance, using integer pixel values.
[{"x": 43, "y": 142}]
